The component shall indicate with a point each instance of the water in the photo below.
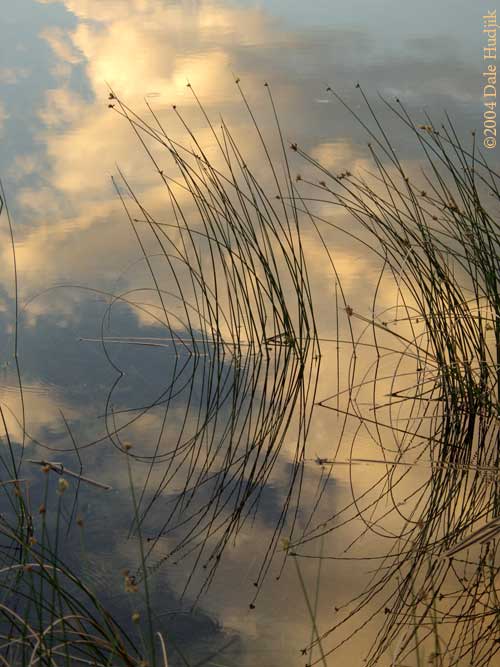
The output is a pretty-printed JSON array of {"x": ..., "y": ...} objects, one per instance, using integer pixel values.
[{"x": 75, "y": 247}]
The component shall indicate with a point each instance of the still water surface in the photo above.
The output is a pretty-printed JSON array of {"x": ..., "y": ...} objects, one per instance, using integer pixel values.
[{"x": 60, "y": 145}]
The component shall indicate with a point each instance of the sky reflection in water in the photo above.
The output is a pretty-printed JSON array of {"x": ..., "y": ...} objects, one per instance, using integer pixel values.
[{"x": 60, "y": 144}]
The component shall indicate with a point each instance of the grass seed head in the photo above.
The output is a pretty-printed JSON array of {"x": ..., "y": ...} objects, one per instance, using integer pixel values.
[{"x": 62, "y": 485}]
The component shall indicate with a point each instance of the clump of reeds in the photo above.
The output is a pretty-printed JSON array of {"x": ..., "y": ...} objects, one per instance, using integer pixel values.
[
  {"x": 437, "y": 238},
  {"x": 239, "y": 321}
]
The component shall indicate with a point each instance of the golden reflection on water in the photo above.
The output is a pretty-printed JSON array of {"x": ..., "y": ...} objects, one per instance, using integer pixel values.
[
  {"x": 137, "y": 48},
  {"x": 78, "y": 234}
]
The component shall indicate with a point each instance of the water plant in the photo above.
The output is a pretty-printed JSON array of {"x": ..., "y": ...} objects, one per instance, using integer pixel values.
[
  {"x": 230, "y": 293},
  {"x": 437, "y": 239}
]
